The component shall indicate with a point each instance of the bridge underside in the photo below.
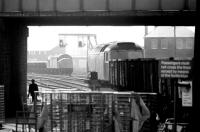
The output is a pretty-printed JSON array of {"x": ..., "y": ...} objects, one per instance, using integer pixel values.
[{"x": 104, "y": 18}]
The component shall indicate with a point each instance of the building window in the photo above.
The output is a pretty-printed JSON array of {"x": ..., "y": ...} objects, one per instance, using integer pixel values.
[
  {"x": 189, "y": 44},
  {"x": 154, "y": 44},
  {"x": 179, "y": 44},
  {"x": 164, "y": 44}
]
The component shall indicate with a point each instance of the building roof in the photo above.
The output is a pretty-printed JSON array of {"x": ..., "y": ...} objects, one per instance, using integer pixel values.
[{"x": 168, "y": 31}]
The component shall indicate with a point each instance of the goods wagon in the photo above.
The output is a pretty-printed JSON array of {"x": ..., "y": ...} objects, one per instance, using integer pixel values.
[
  {"x": 94, "y": 5},
  {"x": 99, "y": 57},
  {"x": 139, "y": 75},
  {"x": 56, "y": 65}
]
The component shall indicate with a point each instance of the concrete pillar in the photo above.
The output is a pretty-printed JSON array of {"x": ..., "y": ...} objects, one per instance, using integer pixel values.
[
  {"x": 13, "y": 64},
  {"x": 196, "y": 81}
]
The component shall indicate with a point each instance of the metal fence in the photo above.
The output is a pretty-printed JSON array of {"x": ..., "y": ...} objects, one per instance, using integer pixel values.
[{"x": 88, "y": 111}]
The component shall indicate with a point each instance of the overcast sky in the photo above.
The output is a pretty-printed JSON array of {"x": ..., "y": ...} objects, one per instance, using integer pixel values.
[{"x": 46, "y": 37}]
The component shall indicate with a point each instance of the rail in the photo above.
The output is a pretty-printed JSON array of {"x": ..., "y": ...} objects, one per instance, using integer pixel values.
[{"x": 53, "y": 82}]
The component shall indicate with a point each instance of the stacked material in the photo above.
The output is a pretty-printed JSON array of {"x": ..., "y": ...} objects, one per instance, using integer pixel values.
[{"x": 2, "y": 105}]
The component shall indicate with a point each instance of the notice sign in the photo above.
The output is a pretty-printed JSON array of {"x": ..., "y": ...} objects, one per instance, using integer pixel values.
[
  {"x": 186, "y": 94},
  {"x": 175, "y": 69}
]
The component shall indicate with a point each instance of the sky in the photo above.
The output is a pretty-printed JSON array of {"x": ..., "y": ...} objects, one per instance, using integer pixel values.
[{"x": 46, "y": 37}]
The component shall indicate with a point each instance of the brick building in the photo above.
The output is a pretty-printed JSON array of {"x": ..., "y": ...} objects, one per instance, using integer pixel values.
[{"x": 161, "y": 43}]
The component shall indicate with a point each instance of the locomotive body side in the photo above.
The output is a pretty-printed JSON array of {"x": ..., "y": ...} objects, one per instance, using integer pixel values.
[
  {"x": 96, "y": 61},
  {"x": 99, "y": 59},
  {"x": 101, "y": 66}
]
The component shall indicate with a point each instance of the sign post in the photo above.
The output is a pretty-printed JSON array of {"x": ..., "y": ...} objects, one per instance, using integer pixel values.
[{"x": 174, "y": 70}]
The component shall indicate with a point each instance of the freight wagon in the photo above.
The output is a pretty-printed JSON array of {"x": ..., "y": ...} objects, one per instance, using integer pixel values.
[
  {"x": 56, "y": 65},
  {"x": 139, "y": 75}
]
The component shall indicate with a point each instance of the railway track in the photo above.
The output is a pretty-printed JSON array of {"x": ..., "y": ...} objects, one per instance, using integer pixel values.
[{"x": 59, "y": 82}]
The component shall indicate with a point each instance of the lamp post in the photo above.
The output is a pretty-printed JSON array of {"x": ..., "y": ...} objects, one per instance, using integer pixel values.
[
  {"x": 174, "y": 85},
  {"x": 87, "y": 69}
]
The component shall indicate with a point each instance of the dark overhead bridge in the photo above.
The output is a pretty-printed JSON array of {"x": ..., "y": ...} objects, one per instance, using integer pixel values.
[
  {"x": 16, "y": 15},
  {"x": 99, "y": 12},
  {"x": 125, "y": 18}
]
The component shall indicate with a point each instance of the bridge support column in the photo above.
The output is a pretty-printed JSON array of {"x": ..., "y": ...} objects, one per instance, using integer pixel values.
[{"x": 13, "y": 64}]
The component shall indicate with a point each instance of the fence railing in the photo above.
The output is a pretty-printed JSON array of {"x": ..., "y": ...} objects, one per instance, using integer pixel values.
[{"x": 89, "y": 111}]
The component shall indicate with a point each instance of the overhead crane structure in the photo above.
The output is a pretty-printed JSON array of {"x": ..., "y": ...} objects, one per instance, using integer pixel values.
[
  {"x": 88, "y": 42},
  {"x": 16, "y": 15},
  {"x": 63, "y": 37}
]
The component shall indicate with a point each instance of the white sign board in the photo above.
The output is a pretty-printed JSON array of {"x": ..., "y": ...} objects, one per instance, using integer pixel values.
[
  {"x": 187, "y": 96},
  {"x": 175, "y": 69}
]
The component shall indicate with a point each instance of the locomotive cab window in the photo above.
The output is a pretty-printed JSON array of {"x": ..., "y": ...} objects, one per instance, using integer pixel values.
[{"x": 106, "y": 57}]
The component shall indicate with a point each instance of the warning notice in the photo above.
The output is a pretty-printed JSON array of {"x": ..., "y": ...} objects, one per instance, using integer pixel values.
[
  {"x": 175, "y": 69},
  {"x": 186, "y": 94}
]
